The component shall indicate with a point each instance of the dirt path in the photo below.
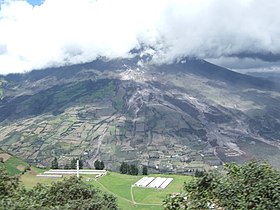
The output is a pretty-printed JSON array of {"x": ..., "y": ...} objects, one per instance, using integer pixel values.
[
  {"x": 132, "y": 195},
  {"x": 105, "y": 188},
  {"x": 132, "y": 201},
  {"x": 142, "y": 204}
]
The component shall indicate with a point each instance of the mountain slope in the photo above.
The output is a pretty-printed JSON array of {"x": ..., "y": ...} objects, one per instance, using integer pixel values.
[
  {"x": 174, "y": 118},
  {"x": 12, "y": 164}
]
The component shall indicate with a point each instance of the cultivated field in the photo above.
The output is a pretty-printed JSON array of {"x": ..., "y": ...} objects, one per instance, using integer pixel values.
[{"x": 12, "y": 164}]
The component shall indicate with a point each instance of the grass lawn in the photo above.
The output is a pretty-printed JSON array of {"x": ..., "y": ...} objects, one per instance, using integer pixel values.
[
  {"x": 120, "y": 186},
  {"x": 29, "y": 179}
]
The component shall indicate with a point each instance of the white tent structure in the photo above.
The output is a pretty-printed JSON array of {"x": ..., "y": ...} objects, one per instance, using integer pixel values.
[{"x": 152, "y": 182}]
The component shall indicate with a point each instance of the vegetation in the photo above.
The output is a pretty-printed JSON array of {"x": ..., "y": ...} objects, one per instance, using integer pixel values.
[
  {"x": 71, "y": 107},
  {"x": 70, "y": 193},
  {"x": 249, "y": 186},
  {"x": 145, "y": 170},
  {"x": 118, "y": 185},
  {"x": 143, "y": 198},
  {"x": 133, "y": 170},
  {"x": 198, "y": 173},
  {"x": 54, "y": 164},
  {"x": 8, "y": 184},
  {"x": 30, "y": 180},
  {"x": 99, "y": 165},
  {"x": 129, "y": 169},
  {"x": 13, "y": 165},
  {"x": 73, "y": 164}
]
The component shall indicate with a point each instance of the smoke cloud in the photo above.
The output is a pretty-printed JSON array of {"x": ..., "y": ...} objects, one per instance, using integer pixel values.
[{"x": 60, "y": 32}]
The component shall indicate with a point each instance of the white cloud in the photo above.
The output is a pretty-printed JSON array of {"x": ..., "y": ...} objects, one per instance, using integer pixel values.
[
  {"x": 72, "y": 31},
  {"x": 243, "y": 64}
]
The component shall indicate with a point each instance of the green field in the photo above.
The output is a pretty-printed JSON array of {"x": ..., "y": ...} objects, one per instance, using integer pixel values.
[
  {"x": 119, "y": 185},
  {"x": 143, "y": 198},
  {"x": 14, "y": 165},
  {"x": 29, "y": 179},
  {"x": 129, "y": 198}
]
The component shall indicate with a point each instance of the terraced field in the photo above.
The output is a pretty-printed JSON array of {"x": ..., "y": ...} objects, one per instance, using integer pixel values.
[
  {"x": 176, "y": 118},
  {"x": 12, "y": 164}
]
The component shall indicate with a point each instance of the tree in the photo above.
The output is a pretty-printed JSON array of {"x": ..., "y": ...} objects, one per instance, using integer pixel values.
[
  {"x": 8, "y": 184},
  {"x": 71, "y": 193},
  {"x": 73, "y": 163},
  {"x": 102, "y": 166},
  {"x": 145, "y": 170},
  {"x": 132, "y": 170},
  {"x": 128, "y": 169},
  {"x": 54, "y": 164},
  {"x": 67, "y": 166},
  {"x": 97, "y": 164},
  {"x": 198, "y": 173},
  {"x": 124, "y": 168},
  {"x": 81, "y": 165},
  {"x": 136, "y": 171},
  {"x": 249, "y": 186}
]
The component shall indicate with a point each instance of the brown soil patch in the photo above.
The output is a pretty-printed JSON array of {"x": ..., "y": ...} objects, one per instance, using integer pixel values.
[
  {"x": 21, "y": 167},
  {"x": 32, "y": 172},
  {"x": 5, "y": 156}
]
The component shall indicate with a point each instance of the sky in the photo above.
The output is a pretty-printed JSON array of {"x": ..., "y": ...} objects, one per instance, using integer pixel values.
[
  {"x": 238, "y": 34},
  {"x": 35, "y": 2}
]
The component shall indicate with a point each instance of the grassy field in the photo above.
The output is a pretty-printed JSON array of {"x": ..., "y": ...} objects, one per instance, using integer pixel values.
[
  {"x": 29, "y": 179},
  {"x": 143, "y": 198},
  {"x": 129, "y": 198},
  {"x": 13, "y": 165},
  {"x": 120, "y": 185}
]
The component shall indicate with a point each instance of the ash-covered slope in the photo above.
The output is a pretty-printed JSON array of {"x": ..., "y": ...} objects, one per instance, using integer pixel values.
[{"x": 178, "y": 117}]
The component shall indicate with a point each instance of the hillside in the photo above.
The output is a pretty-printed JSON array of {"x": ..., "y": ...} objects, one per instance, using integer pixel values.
[
  {"x": 173, "y": 118},
  {"x": 12, "y": 164}
]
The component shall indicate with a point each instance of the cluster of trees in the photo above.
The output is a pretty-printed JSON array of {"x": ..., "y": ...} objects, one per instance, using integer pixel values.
[
  {"x": 69, "y": 194},
  {"x": 71, "y": 165},
  {"x": 199, "y": 173},
  {"x": 249, "y": 186},
  {"x": 145, "y": 170},
  {"x": 129, "y": 169},
  {"x": 132, "y": 169},
  {"x": 99, "y": 165}
]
